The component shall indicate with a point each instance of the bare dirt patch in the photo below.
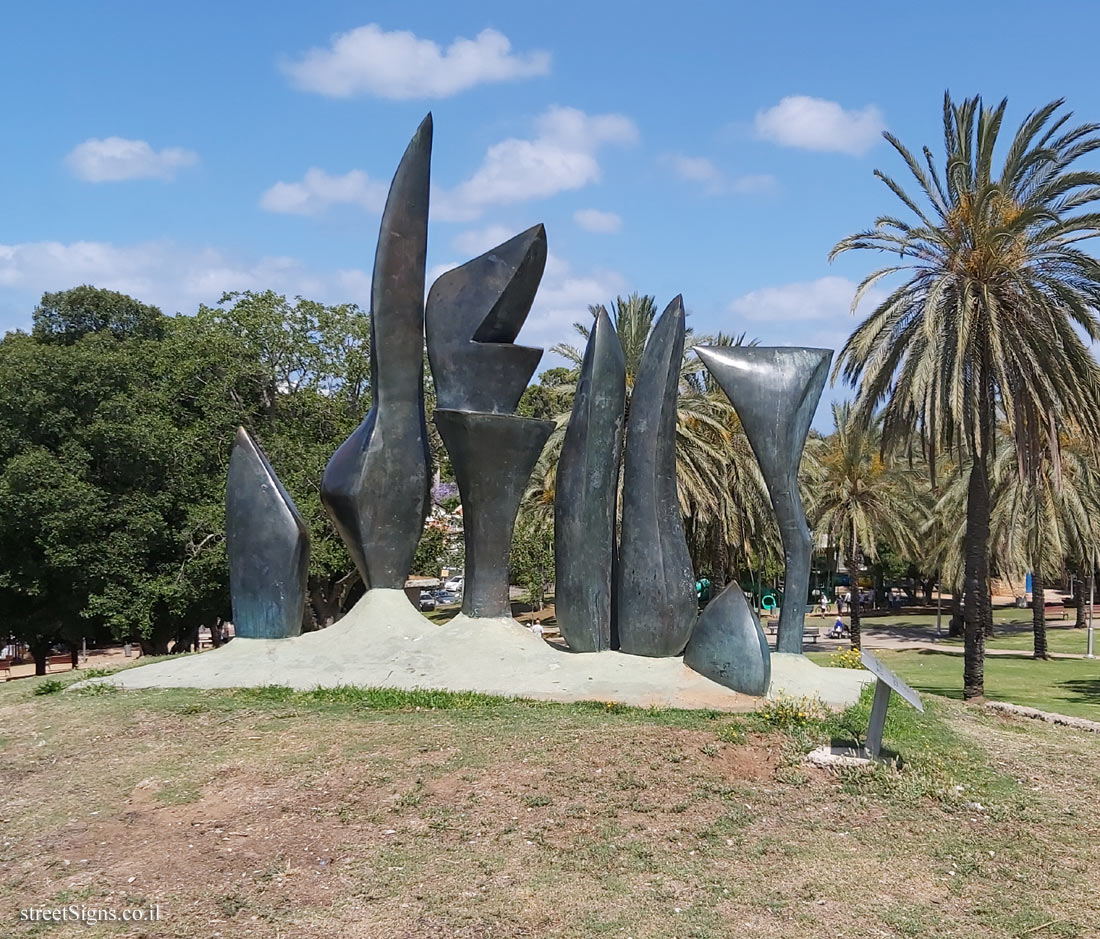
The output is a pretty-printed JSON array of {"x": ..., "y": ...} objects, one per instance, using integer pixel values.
[{"x": 288, "y": 820}]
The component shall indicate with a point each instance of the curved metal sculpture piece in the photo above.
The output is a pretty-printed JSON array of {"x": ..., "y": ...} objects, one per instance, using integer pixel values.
[
  {"x": 728, "y": 646},
  {"x": 586, "y": 491},
  {"x": 492, "y": 455},
  {"x": 655, "y": 603},
  {"x": 376, "y": 487},
  {"x": 268, "y": 546},
  {"x": 473, "y": 316},
  {"x": 775, "y": 391}
]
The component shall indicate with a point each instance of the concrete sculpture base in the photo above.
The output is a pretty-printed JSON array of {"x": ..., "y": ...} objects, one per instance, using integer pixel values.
[{"x": 384, "y": 643}]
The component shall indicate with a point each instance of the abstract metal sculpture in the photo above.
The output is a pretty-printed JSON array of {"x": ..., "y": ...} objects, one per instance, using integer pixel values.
[
  {"x": 775, "y": 391},
  {"x": 492, "y": 455},
  {"x": 473, "y": 316},
  {"x": 655, "y": 604},
  {"x": 268, "y": 547},
  {"x": 586, "y": 491},
  {"x": 376, "y": 486},
  {"x": 728, "y": 646}
]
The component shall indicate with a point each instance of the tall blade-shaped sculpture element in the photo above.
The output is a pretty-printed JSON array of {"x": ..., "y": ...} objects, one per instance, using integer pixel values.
[
  {"x": 585, "y": 494},
  {"x": 268, "y": 547},
  {"x": 376, "y": 487},
  {"x": 728, "y": 645},
  {"x": 655, "y": 604},
  {"x": 492, "y": 455},
  {"x": 474, "y": 314},
  {"x": 775, "y": 391}
]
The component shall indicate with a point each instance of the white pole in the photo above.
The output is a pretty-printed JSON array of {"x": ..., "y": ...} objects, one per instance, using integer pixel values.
[
  {"x": 939, "y": 599},
  {"x": 1092, "y": 599}
]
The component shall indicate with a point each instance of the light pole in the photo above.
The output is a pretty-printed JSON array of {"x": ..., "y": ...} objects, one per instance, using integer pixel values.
[
  {"x": 939, "y": 599},
  {"x": 1092, "y": 600}
]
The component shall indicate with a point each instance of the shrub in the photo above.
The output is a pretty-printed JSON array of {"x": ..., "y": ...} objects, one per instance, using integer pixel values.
[{"x": 846, "y": 658}]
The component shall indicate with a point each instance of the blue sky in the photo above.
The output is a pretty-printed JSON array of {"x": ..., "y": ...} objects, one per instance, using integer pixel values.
[{"x": 715, "y": 150}]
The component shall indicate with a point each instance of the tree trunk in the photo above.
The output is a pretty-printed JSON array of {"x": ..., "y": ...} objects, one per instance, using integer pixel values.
[
  {"x": 976, "y": 582},
  {"x": 40, "y": 652},
  {"x": 74, "y": 652},
  {"x": 1039, "y": 614},
  {"x": 955, "y": 626},
  {"x": 853, "y": 597},
  {"x": 1079, "y": 589}
]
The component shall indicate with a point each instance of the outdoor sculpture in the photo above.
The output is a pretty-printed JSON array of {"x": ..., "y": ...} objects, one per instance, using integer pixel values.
[
  {"x": 655, "y": 605},
  {"x": 473, "y": 314},
  {"x": 586, "y": 492},
  {"x": 376, "y": 487},
  {"x": 268, "y": 547},
  {"x": 728, "y": 645},
  {"x": 638, "y": 598},
  {"x": 775, "y": 391},
  {"x": 492, "y": 455}
]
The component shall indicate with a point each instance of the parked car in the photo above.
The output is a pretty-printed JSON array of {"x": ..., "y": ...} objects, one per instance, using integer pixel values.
[
  {"x": 427, "y": 601},
  {"x": 454, "y": 585},
  {"x": 445, "y": 596}
]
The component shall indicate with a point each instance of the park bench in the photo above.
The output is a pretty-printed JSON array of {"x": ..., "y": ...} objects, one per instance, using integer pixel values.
[
  {"x": 5, "y": 667},
  {"x": 808, "y": 635},
  {"x": 61, "y": 661}
]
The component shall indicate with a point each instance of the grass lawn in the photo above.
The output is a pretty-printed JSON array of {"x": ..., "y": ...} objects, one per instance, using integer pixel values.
[
  {"x": 425, "y": 815},
  {"x": 1064, "y": 686}
]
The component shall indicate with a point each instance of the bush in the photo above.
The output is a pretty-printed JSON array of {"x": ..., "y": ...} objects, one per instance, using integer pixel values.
[
  {"x": 846, "y": 658},
  {"x": 787, "y": 713},
  {"x": 50, "y": 686}
]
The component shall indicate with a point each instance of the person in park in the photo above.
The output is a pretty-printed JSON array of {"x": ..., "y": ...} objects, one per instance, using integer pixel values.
[{"x": 839, "y": 629}]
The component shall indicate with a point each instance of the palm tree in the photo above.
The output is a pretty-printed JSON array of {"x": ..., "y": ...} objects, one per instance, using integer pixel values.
[
  {"x": 986, "y": 320},
  {"x": 1037, "y": 524},
  {"x": 859, "y": 498}
]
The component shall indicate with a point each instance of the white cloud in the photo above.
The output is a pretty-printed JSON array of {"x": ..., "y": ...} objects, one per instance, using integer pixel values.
[
  {"x": 594, "y": 220},
  {"x": 753, "y": 183},
  {"x": 563, "y": 299},
  {"x": 479, "y": 240},
  {"x": 824, "y": 299},
  {"x": 561, "y": 157},
  {"x": 714, "y": 181},
  {"x": 696, "y": 169},
  {"x": 400, "y": 65},
  {"x": 173, "y": 277},
  {"x": 318, "y": 190},
  {"x": 818, "y": 124},
  {"x": 115, "y": 158}
]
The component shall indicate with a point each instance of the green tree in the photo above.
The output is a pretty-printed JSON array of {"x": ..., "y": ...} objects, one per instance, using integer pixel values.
[
  {"x": 69, "y": 315},
  {"x": 995, "y": 288},
  {"x": 859, "y": 498}
]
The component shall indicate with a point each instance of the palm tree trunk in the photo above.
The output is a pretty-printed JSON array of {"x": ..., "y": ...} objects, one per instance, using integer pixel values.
[
  {"x": 853, "y": 597},
  {"x": 1038, "y": 614},
  {"x": 1079, "y": 596},
  {"x": 976, "y": 580},
  {"x": 955, "y": 626}
]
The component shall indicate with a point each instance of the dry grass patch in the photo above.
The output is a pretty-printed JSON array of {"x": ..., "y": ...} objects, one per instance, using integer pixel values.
[{"x": 268, "y": 813}]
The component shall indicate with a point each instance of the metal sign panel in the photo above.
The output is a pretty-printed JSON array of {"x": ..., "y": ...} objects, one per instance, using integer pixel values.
[{"x": 883, "y": 674}]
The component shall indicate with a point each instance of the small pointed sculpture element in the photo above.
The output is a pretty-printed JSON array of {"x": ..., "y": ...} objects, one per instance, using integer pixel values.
[
  {"x": 775, "y": 391},
  {"x": 728, "y": 646},
  {"x": 473, "y": 316},
  {"x": 376, "y": 487},
  {"x": 655, "y": 603},
  {"x": 586, "y": 492},
  {"x": 492, "y": 455},
  {"x": 268, "y": 547}
]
